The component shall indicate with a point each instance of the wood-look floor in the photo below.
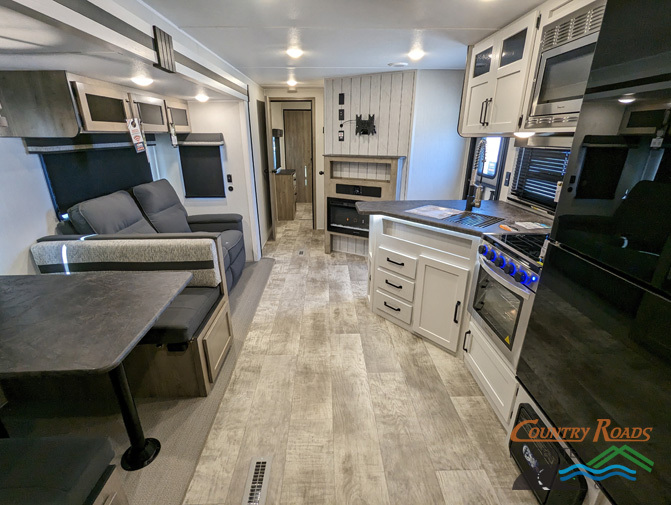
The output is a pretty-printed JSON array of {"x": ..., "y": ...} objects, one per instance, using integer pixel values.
[{"x": 351, "y": 408}]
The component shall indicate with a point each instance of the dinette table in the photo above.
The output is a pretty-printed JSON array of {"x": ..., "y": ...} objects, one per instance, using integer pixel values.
[{"x": 85, "y": 323}]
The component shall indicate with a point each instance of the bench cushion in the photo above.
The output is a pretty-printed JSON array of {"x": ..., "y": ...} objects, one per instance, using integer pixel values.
[
  {"x": 233, "y": 242},
  {"x": 109, "y": 214},
  {"x": 162, "y": 206},
  {"x": 180, "y": 321},
  {"x": 53, "y": 471}
]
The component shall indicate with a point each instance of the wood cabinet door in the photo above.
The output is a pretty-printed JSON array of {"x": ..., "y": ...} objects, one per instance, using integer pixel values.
[
  {"x": 510, "y": 73},
  {"x": 440, "y": 301},
  {"x": 479, "y": 86}
]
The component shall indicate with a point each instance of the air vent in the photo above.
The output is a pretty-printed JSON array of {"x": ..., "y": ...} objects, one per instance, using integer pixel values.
[
  {"x": 256, "y": 489},
  {"x": 582, "y": 23}
]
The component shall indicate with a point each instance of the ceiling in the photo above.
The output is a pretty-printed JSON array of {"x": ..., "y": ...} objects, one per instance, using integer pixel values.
[
  {"x": 339, "y": 37},
  {"x": 29, "y": 44}
]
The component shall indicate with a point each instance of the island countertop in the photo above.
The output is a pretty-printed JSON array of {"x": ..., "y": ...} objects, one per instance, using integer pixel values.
[{"x": 509, "y": 213}]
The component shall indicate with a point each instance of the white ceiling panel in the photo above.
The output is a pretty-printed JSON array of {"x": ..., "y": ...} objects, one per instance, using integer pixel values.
[{"x": 339, "y": 37}]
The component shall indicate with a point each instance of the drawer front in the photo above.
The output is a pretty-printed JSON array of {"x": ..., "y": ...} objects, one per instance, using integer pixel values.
[
  {"x": 393, "y": 306},
  {"x": 394, "y": 284},
  {"x": 397, "y": 262}
]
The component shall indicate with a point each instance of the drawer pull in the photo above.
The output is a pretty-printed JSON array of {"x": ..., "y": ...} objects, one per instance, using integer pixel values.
[
  {"x": 465, "y": 337},
  {"x": 386, "y": 281},
  {"x": 395, "y": 262},
  {"x": 392, "y": 308},
  {"x": 456, "y": 312}
]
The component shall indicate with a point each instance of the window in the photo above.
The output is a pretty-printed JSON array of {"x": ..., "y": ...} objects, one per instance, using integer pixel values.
[
  {"x": 490, "y": 164},
  {"x": 202, "y": 171},
  {"x": 537, "y": 173}
]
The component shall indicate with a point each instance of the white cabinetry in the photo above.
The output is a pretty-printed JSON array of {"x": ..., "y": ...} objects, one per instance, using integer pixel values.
[
  {"x": 491, "y": 372},
  {"x": 441, "y": 291},
  {"x": 496, "y": 79}
]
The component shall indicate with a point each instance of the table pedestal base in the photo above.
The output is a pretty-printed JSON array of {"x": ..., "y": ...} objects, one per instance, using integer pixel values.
[{"x": 133, "y": 459}]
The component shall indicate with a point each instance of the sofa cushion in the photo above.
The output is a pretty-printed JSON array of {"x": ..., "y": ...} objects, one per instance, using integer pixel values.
[
  {"x": 54, "y": 470},
  {"x": 162, "y": 206},
  {"x": 180, "y": 321},
  {"x": 109, "y": 214},
  {"x": 233, "y": 242}
]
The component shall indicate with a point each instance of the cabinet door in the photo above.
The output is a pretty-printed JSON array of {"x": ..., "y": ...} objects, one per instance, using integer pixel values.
[
  {"x": 440, "y": 301},
  {"x": 151, "y": 111},
  {"x": 178, "y": 115},
  {"x": 479, "y": 86},
  {"x": 514, "y": 48},
  {"x": 102, "y": 109}
]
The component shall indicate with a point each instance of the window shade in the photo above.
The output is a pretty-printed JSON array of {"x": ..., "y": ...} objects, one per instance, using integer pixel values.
[{"x": 537, "y": 173}]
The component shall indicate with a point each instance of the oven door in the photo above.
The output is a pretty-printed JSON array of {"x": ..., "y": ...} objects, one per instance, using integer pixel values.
[
  {"x": 562, "y": 77},
  {"x": 502, "y": 307}
]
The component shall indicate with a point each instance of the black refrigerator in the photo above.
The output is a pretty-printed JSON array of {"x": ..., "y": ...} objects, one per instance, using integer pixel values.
[{"x": 598, "y": 345}]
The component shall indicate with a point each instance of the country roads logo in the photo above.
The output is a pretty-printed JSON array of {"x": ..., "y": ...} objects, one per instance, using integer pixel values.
[{"x": 594, "y": 471}]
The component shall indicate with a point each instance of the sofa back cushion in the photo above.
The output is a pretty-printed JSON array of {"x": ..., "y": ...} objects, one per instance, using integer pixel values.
[
  {"x": 162, "y": 206},
  {"x": 109, "y": 214}
]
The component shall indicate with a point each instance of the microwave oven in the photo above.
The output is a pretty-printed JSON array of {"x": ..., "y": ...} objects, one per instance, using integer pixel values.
[{"x": 567, "y": 48}]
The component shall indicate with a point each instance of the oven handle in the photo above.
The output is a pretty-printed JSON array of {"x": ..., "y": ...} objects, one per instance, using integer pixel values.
[{"x": 523, "y": 292}]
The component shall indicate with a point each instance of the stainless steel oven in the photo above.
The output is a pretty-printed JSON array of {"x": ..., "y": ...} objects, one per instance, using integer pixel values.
[
  {"x": 504, "y": 295},
  {"x": 567, "y": 48}
]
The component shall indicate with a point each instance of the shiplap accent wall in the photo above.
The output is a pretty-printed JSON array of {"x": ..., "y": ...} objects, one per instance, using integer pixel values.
[
  {"x": 389, "y": 96},
  {"x": 350, "y": 245},
  {"x": 370, "y": 171}
]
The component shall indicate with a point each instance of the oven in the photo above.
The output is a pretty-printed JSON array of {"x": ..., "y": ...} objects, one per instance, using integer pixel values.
[
  {"x": 567, "y": 48},
  {"x": 503, "y": 296},
  {"x": 342, "y": 217}
]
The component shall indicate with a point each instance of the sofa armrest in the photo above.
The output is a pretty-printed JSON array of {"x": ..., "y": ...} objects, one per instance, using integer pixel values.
[
  {"x": 200, "y": 256},
  {"x": 215, "y": 222},
  {"x": 134, "y": 236}
]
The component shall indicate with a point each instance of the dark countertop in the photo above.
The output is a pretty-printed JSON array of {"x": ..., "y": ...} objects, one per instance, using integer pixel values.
[
  {"x": 81, "y": 323},
  {"x": 510, "y": 214}
]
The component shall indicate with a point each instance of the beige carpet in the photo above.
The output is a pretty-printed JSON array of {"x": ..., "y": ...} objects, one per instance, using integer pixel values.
[{"x": 181, "y": 425}]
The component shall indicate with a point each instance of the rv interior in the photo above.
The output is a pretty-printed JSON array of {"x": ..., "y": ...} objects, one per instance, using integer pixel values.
[{"x": 320, "y": 252}]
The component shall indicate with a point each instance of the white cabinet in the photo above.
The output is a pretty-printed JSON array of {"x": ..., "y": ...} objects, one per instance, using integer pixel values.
[
  {"x": 440, "y": 301},
  {"x": 496, "y": 79},
  {"x": 491, "y": 372}
]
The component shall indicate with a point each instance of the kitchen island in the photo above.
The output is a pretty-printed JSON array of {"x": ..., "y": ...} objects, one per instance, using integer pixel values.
[{"x": 421, "y": 269}]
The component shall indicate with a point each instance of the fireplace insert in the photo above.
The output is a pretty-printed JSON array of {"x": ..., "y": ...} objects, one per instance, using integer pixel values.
[{"x": 342, "y": 217}]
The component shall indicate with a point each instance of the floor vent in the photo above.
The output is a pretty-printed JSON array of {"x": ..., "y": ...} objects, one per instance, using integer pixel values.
[
  {"x": 301, "y": 253},
  {"x": 257, "y": 488}
]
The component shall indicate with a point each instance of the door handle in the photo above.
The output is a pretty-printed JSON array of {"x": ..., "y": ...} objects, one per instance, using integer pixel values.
[
  {"x": 390, "y": 307},
  {"x": 487, "y": 102},
  {"x": 386, "y": 281},
  {"x": 482, "y": 107},
  {"x": 456, "y": 312},
  {"x": 465, "y": 337},
  {"x": 395, "y": 262},
  {"x": 321, "y": 172}
]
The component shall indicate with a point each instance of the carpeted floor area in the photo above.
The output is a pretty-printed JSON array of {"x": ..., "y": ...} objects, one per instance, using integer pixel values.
[{"x": 181, "y": 425}]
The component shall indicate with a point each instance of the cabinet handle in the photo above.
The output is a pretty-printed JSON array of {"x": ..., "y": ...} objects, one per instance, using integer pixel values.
[
  {"x": 456, "y": 312},
  {"x": 390, "y": 307},
  {"x": 392, "y": 285},
  {"x": 482, "y": 106},
  {"x": 395, "y": 262},
  {"x": 487, "y": 102},
  {"x": 465, "y": 337}
]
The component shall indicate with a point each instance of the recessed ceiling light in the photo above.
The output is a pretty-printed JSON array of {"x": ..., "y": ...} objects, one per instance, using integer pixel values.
[
  {"x": 295, "y": 52},
  {"x": 524, "y": 135},
  {"x": 398, "y": 64},
  {"x": 292, "y": 82},
  {"x": 202, "y": 97},
  {"x": 416, "y": 54},
  {"x": 142, "y": 81},
  {"x": 627, "y": 99}
]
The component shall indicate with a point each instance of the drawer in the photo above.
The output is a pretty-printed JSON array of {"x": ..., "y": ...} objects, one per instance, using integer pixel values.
[
  {"x": 394, "y": 284},
  {"x": 393, "y": 306},
  {"x": 397, "y": 262}
]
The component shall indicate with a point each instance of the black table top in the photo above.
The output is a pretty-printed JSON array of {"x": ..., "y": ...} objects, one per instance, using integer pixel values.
[
  {"x": 509, "y": 213},
  {"x": 81, "y": 323}
]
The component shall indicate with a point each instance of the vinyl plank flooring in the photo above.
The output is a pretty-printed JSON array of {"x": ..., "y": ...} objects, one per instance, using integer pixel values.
[
  {"x": 467, "y": 487},
  {"x": 359, "y": 472},
  {"x": 407, "y": 465},
  {"x": 378, "y": 350},
  {"x": 312, "y": 396},
  {"x": 267, "y": 427},
  {"x": 455, "y": 376},
  {"x": 343, "y": 317},
  {"x": 449, "y": 444}
]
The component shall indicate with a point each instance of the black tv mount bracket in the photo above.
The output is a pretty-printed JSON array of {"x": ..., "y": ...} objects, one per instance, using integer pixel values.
[{"x": 365, "y": 127}]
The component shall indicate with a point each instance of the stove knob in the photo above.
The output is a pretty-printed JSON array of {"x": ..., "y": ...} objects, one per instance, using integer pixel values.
[
  {"x": 520, "y": 276},
  {"x": 500, "y": 261},
  {"x": 491, "y": 255},
  {"x": 509, "y": 268},
  {"x": 482, "y": 249}
]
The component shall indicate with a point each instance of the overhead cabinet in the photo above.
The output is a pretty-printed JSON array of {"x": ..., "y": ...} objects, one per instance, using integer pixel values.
[
  {"x": 497, "y": 73},
  {"x": 57, "y": 104}
]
